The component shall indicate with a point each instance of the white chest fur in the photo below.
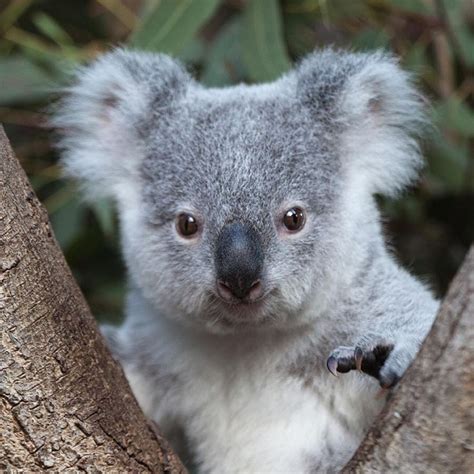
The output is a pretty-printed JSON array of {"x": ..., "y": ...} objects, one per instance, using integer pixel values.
[{"x": 244, "y": 411}]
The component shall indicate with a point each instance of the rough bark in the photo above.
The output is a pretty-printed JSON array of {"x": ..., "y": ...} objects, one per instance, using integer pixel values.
[
  {"x": 64, "y": 402},
  {"x": 428, "y": 425}
]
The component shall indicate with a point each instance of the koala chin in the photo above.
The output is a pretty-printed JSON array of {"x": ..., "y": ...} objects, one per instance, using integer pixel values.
[{"x": 254, "y": 248}]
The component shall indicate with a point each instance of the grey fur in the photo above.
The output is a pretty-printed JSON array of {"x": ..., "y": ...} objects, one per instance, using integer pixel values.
[{"x": 327, "y": 137}]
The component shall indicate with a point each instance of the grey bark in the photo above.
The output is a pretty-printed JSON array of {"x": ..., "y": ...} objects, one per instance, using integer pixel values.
[
  {"x": 64, "y": 403},
  {"x": 428, "y": 424}
]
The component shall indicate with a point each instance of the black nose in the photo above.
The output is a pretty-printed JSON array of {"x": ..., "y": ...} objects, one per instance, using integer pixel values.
[{"x": 239, "y": 262}]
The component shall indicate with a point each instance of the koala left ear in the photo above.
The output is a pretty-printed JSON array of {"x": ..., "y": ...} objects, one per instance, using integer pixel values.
[
  {"x": 103, "y": 116},
  {"x": 378, "y": 113}
]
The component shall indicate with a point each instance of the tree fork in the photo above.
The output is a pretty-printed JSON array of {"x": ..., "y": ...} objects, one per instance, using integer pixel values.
[
  {"x": 64, "y": 402},
  {"x": 428, "y": 424}
]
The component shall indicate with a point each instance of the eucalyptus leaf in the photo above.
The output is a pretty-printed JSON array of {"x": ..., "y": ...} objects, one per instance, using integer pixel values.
[
  {"x": 414, "y": 6},
  {"x": 12, "y": 13},
  {"x": 193, "y": 52},
  {"x": 333, "y": 11},
  {"x": 172, "y": 24},
  {"x": 222, "y": 65},
  {"x": 448, "y": 163},
  {"x": 370, "y": 38},
  {"x": 416, "y": 59},
  {"x": 455, "y": 115},
  {"x": 52, "y": 30},
  {"x": 263, "y": 48},
  {"x": 67, "y": 220},
  {"x": 104, "y": 214},
  {"x": 461, "y": 31},
  {"x": 300, "y": 34},
  {"x": 22, "y": 81}
]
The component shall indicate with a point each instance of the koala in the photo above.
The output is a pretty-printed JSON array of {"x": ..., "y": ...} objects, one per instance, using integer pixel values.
[{"x": 265, "y": 313}]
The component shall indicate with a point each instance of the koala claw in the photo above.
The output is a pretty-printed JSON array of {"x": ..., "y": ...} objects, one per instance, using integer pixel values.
[
  {"x": 332, "y": 365},
  {"x": 365, "y": 357},
  {"x": 358, "y": 357}
]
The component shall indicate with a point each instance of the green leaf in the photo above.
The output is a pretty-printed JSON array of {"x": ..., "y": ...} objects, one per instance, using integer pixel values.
[
  {"x": 371, "y": 38},
  {"x": 21, "y": 81},
  {"x": 67, "y": 220},
  {"x": 448, "y": 163},
  {"x": 415, "y": 6},
  {"x": 36, "y": 48},
  {"x": 263, "y": 48},
  {"x": 416, "y": 59},
  {"x": 222, "y": 64},
  {"x": 455, "y": 115},
  {"x": 337, "y": 11},
  {"x": 104, "y": 214},
  {"x": 460, "y": 29},
  {"x": 13, "y": 12},
  {"x": 52, "y": 30},
  {"x": 193, "y": 52},
  {"x": 300, "y": 35},
  {"x": 172, "y": 24}
]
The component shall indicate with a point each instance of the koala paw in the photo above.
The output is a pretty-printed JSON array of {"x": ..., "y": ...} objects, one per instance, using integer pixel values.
[{"x": 371, "y": 356}]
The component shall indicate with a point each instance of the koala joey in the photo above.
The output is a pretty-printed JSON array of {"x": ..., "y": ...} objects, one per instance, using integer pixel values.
[{"x": 254, "y": 248}]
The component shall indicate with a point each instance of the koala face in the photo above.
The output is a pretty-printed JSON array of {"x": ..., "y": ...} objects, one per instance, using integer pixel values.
[
  {"x": 238, "y": 198},
  {"x": 234, "y": 203}
]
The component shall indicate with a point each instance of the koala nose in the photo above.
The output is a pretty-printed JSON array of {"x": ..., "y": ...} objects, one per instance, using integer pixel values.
[{"x": 239, "y": 262}]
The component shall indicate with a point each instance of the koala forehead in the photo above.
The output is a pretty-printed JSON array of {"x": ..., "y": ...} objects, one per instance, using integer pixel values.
[
  {"x": 339, "y": 119},
  {"x": 239, "y": 150}
]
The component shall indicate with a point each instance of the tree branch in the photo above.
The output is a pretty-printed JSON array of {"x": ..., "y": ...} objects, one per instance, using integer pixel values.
[
  {"x": 64, "y": 402},
  {"x": 428, "y": 424}
]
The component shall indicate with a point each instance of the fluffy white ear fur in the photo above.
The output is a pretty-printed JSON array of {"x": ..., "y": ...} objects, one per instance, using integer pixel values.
[
  {"x": 99, "y": 118},
  {"x": 384, "y": 117},
  {"x": 374, "y": 112}
]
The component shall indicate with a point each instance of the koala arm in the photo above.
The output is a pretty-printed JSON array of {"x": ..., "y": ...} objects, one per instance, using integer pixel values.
[
  {"x": 122, "y": 347},
  {"x": 394, "y": 324},
  {"x": 151, "y": 384}
]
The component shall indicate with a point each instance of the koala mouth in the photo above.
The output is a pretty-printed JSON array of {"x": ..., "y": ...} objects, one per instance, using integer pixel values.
[
  {"x": 251, "y": 296},
  {"x": 244, "y": 309},
  {"x": 245, "y": 305},
  {"x": 243, "y": 315}
]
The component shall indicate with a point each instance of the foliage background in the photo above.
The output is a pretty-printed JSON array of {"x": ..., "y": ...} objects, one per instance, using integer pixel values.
[{"x": 228, "y": 41}]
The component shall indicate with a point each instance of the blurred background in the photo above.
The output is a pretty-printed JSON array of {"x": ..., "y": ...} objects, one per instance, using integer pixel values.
[{"x": 229, "y": 41}]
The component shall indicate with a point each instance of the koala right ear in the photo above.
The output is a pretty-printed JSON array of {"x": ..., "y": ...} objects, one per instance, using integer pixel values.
[
  {"x": 100, "y": 119},
  {"x": 374, "y": 109}
]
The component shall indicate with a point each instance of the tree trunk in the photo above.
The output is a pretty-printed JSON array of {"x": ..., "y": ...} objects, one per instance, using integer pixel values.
[
  {"x": 64, "y": 402},
  {"x": 428, "y": 425}
]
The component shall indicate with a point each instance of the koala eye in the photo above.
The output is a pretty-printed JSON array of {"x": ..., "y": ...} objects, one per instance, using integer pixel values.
[
  {"x": 294, "y": 219},
  {"x": 186, "y": 224}
]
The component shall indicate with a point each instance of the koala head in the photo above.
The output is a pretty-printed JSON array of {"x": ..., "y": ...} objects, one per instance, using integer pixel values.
[{"x": 241, "y": 207}]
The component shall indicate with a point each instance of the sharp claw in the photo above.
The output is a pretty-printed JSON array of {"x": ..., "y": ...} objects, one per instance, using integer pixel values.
[
  {"x": 358, "y": 356},
  {"x": 332, "y": 365}
]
